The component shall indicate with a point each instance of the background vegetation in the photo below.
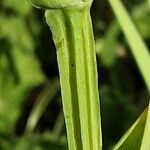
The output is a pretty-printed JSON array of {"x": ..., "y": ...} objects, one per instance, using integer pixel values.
[{"x": 30, "y": 101}]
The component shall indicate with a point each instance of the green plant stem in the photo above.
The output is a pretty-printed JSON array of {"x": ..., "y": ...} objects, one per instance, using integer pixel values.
[
  {"x": 138, "y": 47},
  {"x": 73, "y": 36},
  {"x": 58, "y": 126},
  {"x": 44, "y": 98}
]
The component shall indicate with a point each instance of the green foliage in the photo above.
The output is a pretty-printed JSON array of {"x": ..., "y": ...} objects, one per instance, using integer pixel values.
[
  {"x": 20, "y": 70},
  {"x": 141, "y": 16},
  {"x": 140, "y": 130},
  {"x": 42, "y": 102},
  {"x": 138, "y": 48},
  {"x": 134, "y": 133},
  {"x": 20, "y": 73},
  {"x": 36, "y": 142},
  {"x": 109, "y": 45},
  {"x": 31, "y": 114},
  {"x": 145, "y": 141}
]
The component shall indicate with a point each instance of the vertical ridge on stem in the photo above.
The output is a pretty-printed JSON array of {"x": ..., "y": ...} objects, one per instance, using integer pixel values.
[
  {"x": 73, "y": 75},
  {"x": 67, "y": 77},
  {"x": 73, "y": 37},
  {"x": 92, "y": 82}
]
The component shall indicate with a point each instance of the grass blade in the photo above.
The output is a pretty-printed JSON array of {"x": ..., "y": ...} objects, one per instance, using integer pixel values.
[
  {"x": 138, "y": 48},
  {"x": 40, "y": 105},
  {"x": 58, "y": 126},
  {"x": 133, "y": 137},
  {"x": 137, "y": 136},
  {"x": 146, "y": 136}
]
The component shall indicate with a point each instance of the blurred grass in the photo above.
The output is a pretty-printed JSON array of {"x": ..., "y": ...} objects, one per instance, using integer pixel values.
[{"x": 28, "y": 63}]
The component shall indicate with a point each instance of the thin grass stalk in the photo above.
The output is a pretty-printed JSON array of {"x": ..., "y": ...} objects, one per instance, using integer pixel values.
[{"x": 138, "y": 48}]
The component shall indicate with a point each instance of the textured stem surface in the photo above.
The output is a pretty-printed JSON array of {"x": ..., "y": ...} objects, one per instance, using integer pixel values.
[{"x": 73, "y": 36}]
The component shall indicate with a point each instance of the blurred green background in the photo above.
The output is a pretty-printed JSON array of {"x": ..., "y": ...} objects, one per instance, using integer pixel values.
[{"x": 31, "y": 115}]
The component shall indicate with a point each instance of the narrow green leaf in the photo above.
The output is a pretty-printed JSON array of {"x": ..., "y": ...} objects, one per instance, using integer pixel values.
[
  {"x": 59, "y": 124},
  {"x": 138, "y": 48},
  {"x": 145, "y": 141},
  {"x": 137, "y": 136},
  {"x": 133, "y": 137},
  {"x": 42, "y": 102}
]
